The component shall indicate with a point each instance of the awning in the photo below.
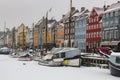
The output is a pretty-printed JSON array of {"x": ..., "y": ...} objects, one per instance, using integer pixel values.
[
  {"x": 109, "y": 43},
  {"x": 115, "y": 42}
]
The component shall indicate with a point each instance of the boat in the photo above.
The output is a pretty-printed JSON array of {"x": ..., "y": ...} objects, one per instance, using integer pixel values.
[
  {"x": 114, "y": 63},
  {"x": 51, "y": 63},
  {"x": 104, "y": 51},
  {"x": 27, "y": 56},
  {"x": 57, "y": 56},
  {"x": 66, "y": 52},
  {"x": 14, "y": 55},
  {"x": 103, "y": 54}
]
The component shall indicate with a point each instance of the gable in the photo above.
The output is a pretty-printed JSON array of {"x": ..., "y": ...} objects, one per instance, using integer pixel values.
[{"x": 93, "y": 13}]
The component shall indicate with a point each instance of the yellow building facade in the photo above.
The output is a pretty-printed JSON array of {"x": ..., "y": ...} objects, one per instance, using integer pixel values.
[
  {"x": 22, "y": 31},
  {"x": 36, "y": 37},
  {"x": 60, "y": 35},
  {"x": 49, "y": 35}
]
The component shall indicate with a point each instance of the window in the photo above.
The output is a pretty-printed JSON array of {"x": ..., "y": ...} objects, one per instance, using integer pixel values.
[
  {"x": 68, "y": 31},
  {"x": 107, "y": 14},
  {"x": 118, "y": 59},
  {"x": 97, "y": 34},
  {"x": 94, "y": 13},
  {"x": 93, "y": 26},
  {"x": 103, "y": 36},
  {"x": 112, "y": 34},
  {"x": 119, "y": 12},
  {"x": 103, "y": 24},
  {"x": 96, "y": 26},
  {"x": 94, "y": 19},
  {"x": 63, "y": 55},
  {"x": 116, "y": 20},
  {"x": 111, "y": 14},
  {"x": 100, "y": 34},
  {"x": 111, "y": 22},
  {"x": 107, "y": 35},
  {"x": 103, "y": 15},
  {"x": 116, "y": 35},
  {"x": 89, "y": 20},
  {"x": 107, "y": 24},
  {"x": 89, "y": 35},
  {"x": 116, "y": 13}
]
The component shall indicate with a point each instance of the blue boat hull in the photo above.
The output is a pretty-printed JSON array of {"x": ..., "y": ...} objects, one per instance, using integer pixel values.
[{"x": 115, "y": 70}]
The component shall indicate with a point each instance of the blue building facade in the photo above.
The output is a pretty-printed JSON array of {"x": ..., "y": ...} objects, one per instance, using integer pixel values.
[
  {"x": 80, "y": 30},
  {"x": 111, "y": 26},
  {"x": 41, "y": 26}
]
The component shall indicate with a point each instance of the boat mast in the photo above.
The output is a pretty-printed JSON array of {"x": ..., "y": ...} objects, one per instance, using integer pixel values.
[
  {"x": 4, "y": 32},
  {"x": 33, "y": 34},
  {"x": 70, "y": 17},
  {"x": 13, "y": 38},
  {"x": 23, "y": 39},
  {"x": 46, "y": 29}
]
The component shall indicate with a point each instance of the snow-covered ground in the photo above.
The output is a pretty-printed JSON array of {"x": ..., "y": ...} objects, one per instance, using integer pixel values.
[{"x": 12, "y": 69}]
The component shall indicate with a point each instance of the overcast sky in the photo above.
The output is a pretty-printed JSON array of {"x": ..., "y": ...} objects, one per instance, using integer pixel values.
[{"x": 15, "y": 12}]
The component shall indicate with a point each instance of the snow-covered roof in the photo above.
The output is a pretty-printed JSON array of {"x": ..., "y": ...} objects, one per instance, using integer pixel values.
[
  {"x": 51, "y": 24},
  {"x": 61, "y": 24},
  {"x": 67, "y": 15},
  {"x": 113, "y": 7},
  {"x": 76, "y": 14},
  {"x": 85, "y": 12},
  {"x": 99, "y": 10}
]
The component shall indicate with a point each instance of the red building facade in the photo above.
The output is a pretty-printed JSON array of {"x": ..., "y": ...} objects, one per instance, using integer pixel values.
[{"x": 93, "y": 32}]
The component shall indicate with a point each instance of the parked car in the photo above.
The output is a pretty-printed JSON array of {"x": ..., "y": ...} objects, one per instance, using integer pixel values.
[{"x": 4, "y": 50}]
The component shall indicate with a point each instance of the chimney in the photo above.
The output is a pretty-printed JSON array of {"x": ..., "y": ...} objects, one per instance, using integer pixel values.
[
  {"x": 104, "y": 7},
  {"x": 118, "y": 1},
  {"x": 82, "y": 9},
  {"x": 108, "y": 6},
  {"x": 63, "y": 15}
]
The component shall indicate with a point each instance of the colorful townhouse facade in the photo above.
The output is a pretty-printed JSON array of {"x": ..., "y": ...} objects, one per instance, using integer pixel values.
[
  {"x": 69, "y": 26},
  {"x": 49, "y": 35},
  {"x": 93, "y": 32},
  {"x": 80, "y": 29},
  {"x": 29, "y": 38},
  {"x": 59, "y": 35},
  {"x": 22, "y": 32},
  {"x": 9, "y": 39},
  {"x": 111, "y": 26},
  {"x": 35, "y": 37},
  {"x": 40, "y": 26}
]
